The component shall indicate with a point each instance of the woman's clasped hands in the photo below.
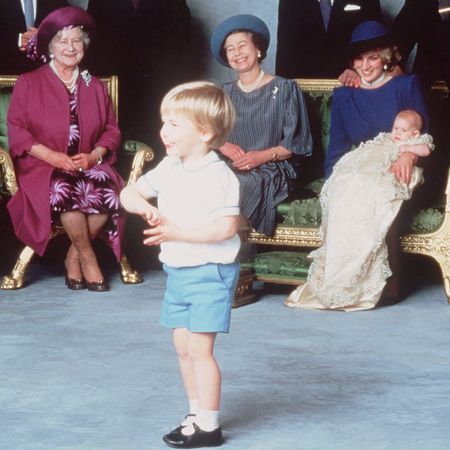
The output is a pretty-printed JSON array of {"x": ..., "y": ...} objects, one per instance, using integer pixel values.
[{"x": 242, "y": 160}]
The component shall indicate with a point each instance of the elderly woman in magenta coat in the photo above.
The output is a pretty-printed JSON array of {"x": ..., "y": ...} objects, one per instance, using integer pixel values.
[{"x": 63, "y": 139}]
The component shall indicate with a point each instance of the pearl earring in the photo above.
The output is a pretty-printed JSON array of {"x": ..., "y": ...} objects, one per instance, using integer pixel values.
[
  {"x": 385, "y": 67},
  {"x": 259, "y": 54},
  {"x": 51, "y": 55}
]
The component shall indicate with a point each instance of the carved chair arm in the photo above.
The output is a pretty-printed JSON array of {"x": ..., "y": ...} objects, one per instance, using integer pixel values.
[
  {"x": 447, "y": 193},
  {"x": 142, "y": 154},
  {"x": 7, "y": 172}
]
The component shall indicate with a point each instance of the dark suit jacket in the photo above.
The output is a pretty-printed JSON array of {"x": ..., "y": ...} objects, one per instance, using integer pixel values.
[
  {"x": 12, "y": 22},
  {"x": 305, "y": 49},
  {"x": 148, "y": 49},
  {"x": 129, "y": 40},
  {"x": 418, "y": 22}
]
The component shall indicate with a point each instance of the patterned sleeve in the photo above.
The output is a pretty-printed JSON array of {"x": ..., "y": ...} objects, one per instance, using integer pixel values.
[{"x": 296, "y": 130}]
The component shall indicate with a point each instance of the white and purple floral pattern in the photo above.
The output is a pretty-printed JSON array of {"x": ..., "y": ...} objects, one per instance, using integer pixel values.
[{"x": 91, "y": 191}]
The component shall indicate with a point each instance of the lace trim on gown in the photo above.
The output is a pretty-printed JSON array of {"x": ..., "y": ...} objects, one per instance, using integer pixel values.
[{"x": 359, "y": 204}]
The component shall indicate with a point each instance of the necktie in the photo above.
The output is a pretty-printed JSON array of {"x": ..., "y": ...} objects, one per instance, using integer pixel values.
[
  {"x": 29, "y": 13},
  {"x": 325, "y": 7}
]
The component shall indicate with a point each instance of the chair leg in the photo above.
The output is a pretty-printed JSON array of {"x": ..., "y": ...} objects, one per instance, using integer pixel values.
[
  {"x": 127, "y": 274},
  {"x": 15, "y": 280},
  {"x": 244, "y": 290},
  {"x": 445, "y": 268}
]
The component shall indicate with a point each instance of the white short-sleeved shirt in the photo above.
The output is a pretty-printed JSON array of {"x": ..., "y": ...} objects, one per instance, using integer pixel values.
[{"x": 192, "y": 196}]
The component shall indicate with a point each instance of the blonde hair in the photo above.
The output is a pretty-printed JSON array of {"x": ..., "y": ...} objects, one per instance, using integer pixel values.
[
  {"x": 391, "y": 58},
  {"x": 204, "y": 104},
  {"x": 413, "y": 117}
]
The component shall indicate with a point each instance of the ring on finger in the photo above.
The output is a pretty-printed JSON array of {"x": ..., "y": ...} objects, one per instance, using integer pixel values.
[{"x": 248, "y": 166}]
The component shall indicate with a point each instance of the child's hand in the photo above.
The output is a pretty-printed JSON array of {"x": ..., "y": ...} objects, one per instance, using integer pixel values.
[
  {"x": 162, "y": 231},
  {"x": 402, "y": 168},
  {"x": 151, "y": 215}
]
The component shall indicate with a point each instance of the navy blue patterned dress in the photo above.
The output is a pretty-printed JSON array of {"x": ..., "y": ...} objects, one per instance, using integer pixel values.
[
  {"x": 274, "y": 114},
  {"x": 90, "y": 191}
]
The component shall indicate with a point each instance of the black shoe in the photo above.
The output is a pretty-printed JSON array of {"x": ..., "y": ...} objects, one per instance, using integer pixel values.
[
  {"x": 174, "y": 434},
  {"x": 75, "y": 284},
  {"x": 199, "y": 438},
  {"x": 97, "y": 286}
]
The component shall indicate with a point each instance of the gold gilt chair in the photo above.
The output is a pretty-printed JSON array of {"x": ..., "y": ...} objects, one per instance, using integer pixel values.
[{"x": 8, "y": 181}]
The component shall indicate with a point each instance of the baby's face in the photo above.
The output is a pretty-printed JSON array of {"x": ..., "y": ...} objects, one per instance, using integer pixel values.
[{"x": 403, "y": 129}]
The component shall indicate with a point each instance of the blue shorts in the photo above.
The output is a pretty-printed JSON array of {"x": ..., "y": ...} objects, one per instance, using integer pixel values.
[{"x": 199, "y": 298}]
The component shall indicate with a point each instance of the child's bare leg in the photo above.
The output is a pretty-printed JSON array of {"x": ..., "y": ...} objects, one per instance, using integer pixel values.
[
  {"x": 207, "y": 374},
  {"x": 181, "y": 342},
  {"x": 208, "y": 379}
]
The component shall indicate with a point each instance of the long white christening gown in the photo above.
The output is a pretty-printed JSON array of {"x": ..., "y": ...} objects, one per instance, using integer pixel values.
[{"x": 359, "y": 203}]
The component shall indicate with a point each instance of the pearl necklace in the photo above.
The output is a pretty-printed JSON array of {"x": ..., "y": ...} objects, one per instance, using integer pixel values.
[
  {"x": 70, "y": 84},
  {"x": 379, "y": 80},
  {"x": 251, "y": 87}
]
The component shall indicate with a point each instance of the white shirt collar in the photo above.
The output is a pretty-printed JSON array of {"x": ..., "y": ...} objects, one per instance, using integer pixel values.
[{"x": 197, "y": 164}]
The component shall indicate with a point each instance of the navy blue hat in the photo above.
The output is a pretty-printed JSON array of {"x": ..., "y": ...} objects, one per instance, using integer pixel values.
[
  {"x": 368, "y": 36},
  {"x": 237, "y": 23}
]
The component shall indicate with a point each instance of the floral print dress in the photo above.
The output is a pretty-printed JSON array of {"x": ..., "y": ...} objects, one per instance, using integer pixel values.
[{"x": 91, "y": 191}]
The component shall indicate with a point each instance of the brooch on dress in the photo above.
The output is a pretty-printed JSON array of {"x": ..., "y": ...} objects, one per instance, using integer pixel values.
[
  {"x": 274, "y": 92},
  {"x": 87, "y": 77}
]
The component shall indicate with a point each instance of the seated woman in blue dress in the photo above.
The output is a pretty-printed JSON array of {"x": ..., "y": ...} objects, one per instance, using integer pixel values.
[
  {"x": 272, "y": 127},
  {"x": 358, "y": 115}
]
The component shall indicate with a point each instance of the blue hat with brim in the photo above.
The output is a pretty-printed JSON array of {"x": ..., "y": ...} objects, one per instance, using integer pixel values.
[
  {"x": 368, "y": 36},
  {"x": 241, "y": 22}
]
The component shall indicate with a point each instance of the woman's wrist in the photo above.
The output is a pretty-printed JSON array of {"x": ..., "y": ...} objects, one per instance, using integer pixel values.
[
  {"x": 272, "y": 154},
  {"x": 97, "y": 156},
  {"x": 411, "y": 156}
]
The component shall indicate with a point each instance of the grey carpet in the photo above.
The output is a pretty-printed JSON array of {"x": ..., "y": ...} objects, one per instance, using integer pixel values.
[{"x": 83, "y": 370}]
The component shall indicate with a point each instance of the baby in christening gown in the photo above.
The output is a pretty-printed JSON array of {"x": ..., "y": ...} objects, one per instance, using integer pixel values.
[{"x": 359, "y": 202}]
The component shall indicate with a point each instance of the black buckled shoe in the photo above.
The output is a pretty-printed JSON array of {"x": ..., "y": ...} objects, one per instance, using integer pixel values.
[
  {"x": 197, "y": 439},
  {"x": 176, "y": 431}
]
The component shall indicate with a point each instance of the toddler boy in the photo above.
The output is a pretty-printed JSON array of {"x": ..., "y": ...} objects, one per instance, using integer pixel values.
[{"x": 196, "y": 224}]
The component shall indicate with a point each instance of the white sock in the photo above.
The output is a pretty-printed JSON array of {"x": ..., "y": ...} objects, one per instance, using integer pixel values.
[
  {"x": 207, "y": 419},
  {"x": 193, "y": 406},
  {"x": 193, "y": 410}
]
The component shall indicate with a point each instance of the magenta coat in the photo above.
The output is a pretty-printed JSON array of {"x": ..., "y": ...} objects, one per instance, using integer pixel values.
[{"x": 39, "y": 114}]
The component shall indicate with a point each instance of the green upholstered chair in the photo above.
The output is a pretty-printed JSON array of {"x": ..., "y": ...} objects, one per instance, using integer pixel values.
[{"x": 8, "y": 181}]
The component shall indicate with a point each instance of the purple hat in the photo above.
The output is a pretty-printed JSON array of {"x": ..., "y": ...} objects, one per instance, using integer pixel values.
[
  {"x": 59, "y": 19},
  {"x": 368, "y": 36}
]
